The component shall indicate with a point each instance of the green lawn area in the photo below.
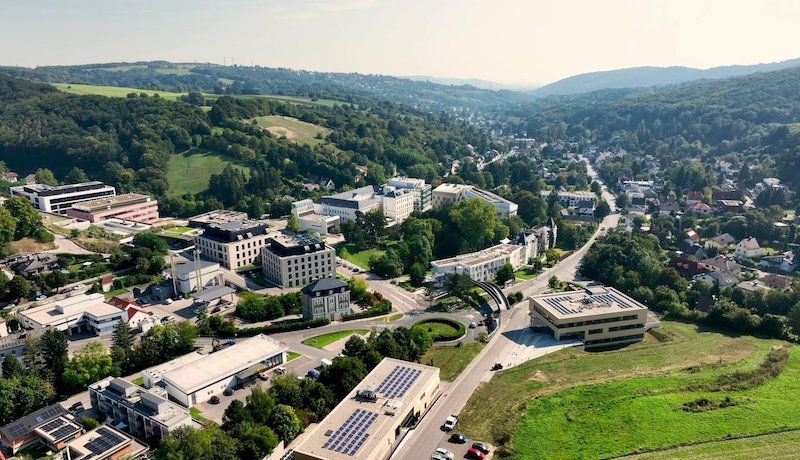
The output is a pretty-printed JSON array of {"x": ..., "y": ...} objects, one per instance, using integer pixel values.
[
  {"x": 189, "y": 172},
  {"x": 361, "y": 258},
  {"x": 292, "y": 355},
  {"x": 294, "y": 129},
  {"x": 324, "y": 340},
  {"x": 574, "y": 404},
  {"x": 773, "y": 446},
  {"x": 525, "y": 273},
  {"x": 436, "y": 329},
  {"x": 139, "y": 381},
  {"x": 111, "y": 91},
  {"x": 451, "y": 359}
]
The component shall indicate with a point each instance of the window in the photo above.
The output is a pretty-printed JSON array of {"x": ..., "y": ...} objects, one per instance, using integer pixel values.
[{"x": 595, "y": 331}]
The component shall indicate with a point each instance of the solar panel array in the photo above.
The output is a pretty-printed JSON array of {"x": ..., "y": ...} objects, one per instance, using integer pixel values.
[
  {"x": 352, "y": 434},
  {"x": 555, "y": 303},
  {"x": 561, "y": 303},
  {"x": 105, "y": 440},
  {"x": 18, "y": 430},
  {"x": 59, "y": 428},
  {"x": 608, "y": 298},
  {"x": 52, "y": 425},
  {"x": 399, "y": 380}
]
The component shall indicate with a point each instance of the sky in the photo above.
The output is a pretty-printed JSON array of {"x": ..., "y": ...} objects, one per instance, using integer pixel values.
[{"x": 530, "y": 42}]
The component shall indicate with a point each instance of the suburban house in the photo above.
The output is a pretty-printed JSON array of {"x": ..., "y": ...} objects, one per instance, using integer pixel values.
[
  {"x": 722, "y": 263},
  {"x": 135, "y": 313},
  {"x": 700, "y": 208},
  {"x": 693, "y": 197},
  {"x": 777, "y": 281},
  {"x": 28, "y": 265},
  {"x": 723, "y": 278},
  {"x": 717, "y": 195},
  {"x": 786, "y": 262},
  {"x": 689, "y": 269},
  {"x": 10, "y": 176},
  {"x": 692, "y": 235},
  {"x": 724, "y": 206},
  {"x": 720, "y": 241},
  {"x": 668, "y": 207},
  {"x": 689, "y": 248},
  {"x": 748, "y": 247}
]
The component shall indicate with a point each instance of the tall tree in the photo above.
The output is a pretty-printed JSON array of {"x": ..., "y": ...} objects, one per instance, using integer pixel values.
[
  {"x": 11, "y": 367},
  {"x": 284, "y": 422},
  {"x": 45, "y": 176},
  {"x": 75, "y": 176},
  {"x": 29, "y": 221},
  {"x": 476, "y": 222},
  {"x": 89, "y": 364},
  {"x": 53, "y": 345},
  {"x": 18, "y": 288},
  {"x": 8, "y": 226},
  {"x": 505, "y": 273}
]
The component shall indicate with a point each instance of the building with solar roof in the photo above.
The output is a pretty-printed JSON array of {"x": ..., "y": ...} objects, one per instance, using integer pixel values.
[
  {"x": 598, "y": 315},
  {"x": 370, "y": 422},
  {"x": 52, "y": 427},
  {"x": 294, "y": 260},
  {"x": 104, "y": 442}
]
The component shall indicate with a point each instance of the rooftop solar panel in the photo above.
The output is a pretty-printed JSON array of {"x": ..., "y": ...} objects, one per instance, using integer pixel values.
[
  {"x": 64, "y": 431},
  {"x": 399, "y": 380},
  {"x": 18, "y": 430},
  {"x": 105, "y": 440},
  {"x": 52, "y": 425},
  {"x": 352, "y": 434}
]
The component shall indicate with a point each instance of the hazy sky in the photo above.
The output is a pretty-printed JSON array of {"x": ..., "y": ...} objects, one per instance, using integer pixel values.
[{"x": 510, "y": 41}]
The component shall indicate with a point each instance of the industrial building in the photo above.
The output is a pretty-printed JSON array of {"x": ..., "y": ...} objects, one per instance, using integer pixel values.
[
  {"x": 294, "y": 260},
  {"x": 233, "y": 244},
  {"x": 58, "y": 199},
  {"x": 73, "y": 315},
  {"x": 131, "y": 207},
  {"x": 370, "y": 422},
  {"x": 597, "y": 315},
  {"x": 194, "y": 275},
  {"x": 198, "y": 380},
  {"x": 326, "y": 298}
]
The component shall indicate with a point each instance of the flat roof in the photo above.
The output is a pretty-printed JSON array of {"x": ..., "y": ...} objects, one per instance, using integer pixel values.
[
  {"x": 217, "y": 217},
  {"x": 594, "y": 300},
  {"x": 475, "y": 258},
  {"x": 73, "y": 306},
  {"x": 227, "y": 362},
  {"x": 214, "y": 293},
  {"x": 190, "y": 267},
  {"x": 357, "y": 425},
  {"x": 58, "y": 429},
  {"x": 451, "y": 188},
  {"x": 180, "y": 361},
  {"x": 17, "y": 339},
  {"x": 101, "y": 442},
  {"x": 111, "y": 202}
]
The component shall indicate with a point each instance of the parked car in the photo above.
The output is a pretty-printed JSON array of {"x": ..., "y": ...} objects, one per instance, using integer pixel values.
[
  {"x": 475, "y": 453},
  {"x": 280, "y": 370},
  {"x": 458, "y": 438},
  {"x": 473, "y": 325},
  {"x": 481, "y": 447},
  {"x": 445, "y": 453},
  {"x": 263, "y": 375},
  {"x": 497, "y": 367},
  {"x": 214, "y": 400},
  {"x": 78, "y": 287},
  {"x": 76, "y": 408},
  {"x": 168, "y": 301},
  {"x": 167, "y": 319},
  {"x": 228, "y": 391},
  {"x": 41, "y": 297},
  {"x": 313, "y": 373},
  {"x": 450, "y": 423}
]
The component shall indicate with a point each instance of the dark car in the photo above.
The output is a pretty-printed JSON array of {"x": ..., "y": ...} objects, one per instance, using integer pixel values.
[
  {"x": 497, "y": 367},
  {"x": 228, "y": 391},
  {"x": 76, "y": 408},
  {"x": 214, "y": 400},
  {"x": 481, "y": 447},
  {"x": 458, "y": 438},
  {"x": 475, "y": 453}
]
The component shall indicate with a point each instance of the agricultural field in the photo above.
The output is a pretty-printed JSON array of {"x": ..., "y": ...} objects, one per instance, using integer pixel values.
[
  {"x": 189, "y": 172},
  {"x": 680, "y": 387},
  {"x": 111, "y": 91},
  {"x": 294, "y": 129}
]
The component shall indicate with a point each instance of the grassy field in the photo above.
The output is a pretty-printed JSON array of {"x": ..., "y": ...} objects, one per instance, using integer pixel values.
[
  {"x": 452, "y": 359},
  {"x": 29, "y": 245},
  {"x": 525, "y": 273},
  {"x": 294, "y": 129},
  {"x": 111, "y": 91},
  {"x": 436, "y": 329},
  {"x": 292, "y": 355},
  {"x": 773, "y": 446},
  {"x": 574, "y": 404},
  {"x": 322, "y": 341},
  {"x": 189, "y": 172},
  {"x": 362, "y": 258}
]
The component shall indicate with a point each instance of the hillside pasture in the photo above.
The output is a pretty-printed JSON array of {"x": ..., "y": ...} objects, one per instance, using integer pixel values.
[
  {"x": 293, "y": 129},
  {"x": 111, "y": 91},
  {"x": 189, "y": 172}
]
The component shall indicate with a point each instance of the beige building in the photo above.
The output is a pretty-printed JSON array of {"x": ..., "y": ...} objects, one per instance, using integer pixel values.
[
  {"x": 233, "y": 244},
  {"x": 597, "y": 315},
  {"x": 294, "y": 260},
  {"x": 74, "y": 315},
  {"x": 326, "y": 298},
  {"x": 449, "y": 194},
  {"x": 482, "y": 265},
  {"x": 370, "y": 422}
]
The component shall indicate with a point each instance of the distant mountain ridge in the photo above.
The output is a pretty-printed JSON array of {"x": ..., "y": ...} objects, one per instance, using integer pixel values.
[
  {"x": 637, "y": 77},
  {"x": 476, "y": 82}
]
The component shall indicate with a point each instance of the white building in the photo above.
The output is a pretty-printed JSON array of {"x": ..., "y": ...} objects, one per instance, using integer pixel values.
[
  {"x": 423, "y": 193},
  {"x": 481, "y": 265},
  {"x": 58, "y": 199},
  {"x": 397, "y": 203},
  {"x": 310, "y": 221},
  {"x": 290, "y": 260},
  {"x": 578, "y": 199},
  {"x": 81, "y": 313},
  {"x": 326, "y": 298},
  {"x": 233, "y": 244},
  {"x": 748, "y": 247},
  {"x": 191, "y": 276},
  {"x": 197, "y": 381},
  {"x": 504, "y": 207},
  {"x": 449, "y": 194}
]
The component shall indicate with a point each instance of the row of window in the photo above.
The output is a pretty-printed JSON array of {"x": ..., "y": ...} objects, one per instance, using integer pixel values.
[{"x": 615, "y": 339}]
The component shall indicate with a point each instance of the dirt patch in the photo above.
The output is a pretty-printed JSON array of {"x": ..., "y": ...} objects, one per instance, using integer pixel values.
[
  {"x": 30, "y": 245},
  {"x": 281, "y": 131},
  {"x": 540, "y": 376}
]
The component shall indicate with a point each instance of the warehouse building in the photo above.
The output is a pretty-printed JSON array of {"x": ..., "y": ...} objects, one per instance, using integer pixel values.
[
  {"x": 597, "y": 315},
  {"x": 370, "y": 422},
  {"x": 200, "y": 379}
]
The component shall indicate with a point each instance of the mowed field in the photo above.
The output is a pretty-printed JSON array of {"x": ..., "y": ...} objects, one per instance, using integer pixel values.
[
  {"x": 189, "y": 172},
  {"x": 294, "y": 129},
  {"x": 574, "y": 404}
]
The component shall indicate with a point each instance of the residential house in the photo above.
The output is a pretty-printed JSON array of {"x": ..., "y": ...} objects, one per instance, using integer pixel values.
[
  {"x": 106, "y": 283},
  {"x": 722, "y": 263},
  {"x": 700, "y": 208},
  {"x": 771, "y": 183},
  {"x": 327, "y": 184},
  {"x": 689, "y": 248},
  {"x": 668, "y": 207},
  {"x": 724, "y": 206},
  {"x": 689, "y": 269},
  {"x": 691, "y": 235},
  {"x": 10, "y": 176},
  {"x": 753, "y": 285},
  {"x": 748, "y": 248},
  {"x": 723, "y": 278},
  {"x": 693, "y": 197},
  {"x": 717, "y": 195},
  {"x": 785, "y": 262},
  {"x": 777, "y": 281},
  {"x": 29, "y": 265},
  {"x": 135, "y": 313},
  {"x": 728, "y": 168},
  {"x": 720, "y": 241}
]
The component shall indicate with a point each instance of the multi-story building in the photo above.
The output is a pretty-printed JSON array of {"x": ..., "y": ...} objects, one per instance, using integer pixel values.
[
  {"x": 58, "y": 199},
  {"x": 51, "y": 426},
  {"x": 233, "y": 244},
  {"x": 146, "y": 414},
  {"x": 13, "y": 344},
  {"x": 504, "y": 207},
  {"x": 578, "y": 199},
  {"x": 291, "y": 260},
  {"x": 305, "y": 211},
  {"x": 105, "y": 443},
  {"x": 597, "y": 315},
  {"x": 131, "y": 207},
  {"x": 326, "y": 298},
  {"x": 423, "y": 193},
  {"x": 449, "y": 194},
  {"x": 192, "y": 276},
  {"x": 216, "y": 217},
  {"x": 74, "y": 315},
  {"x": 396, "y": 203},
  {"x": 480, "y": 266}
]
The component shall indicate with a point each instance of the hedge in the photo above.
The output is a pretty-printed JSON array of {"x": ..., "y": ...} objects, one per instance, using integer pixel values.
[
  {"x": 382, "y": 308},
  {"x": 460, "y": 328},
  {"x": 286, "y": 326}
]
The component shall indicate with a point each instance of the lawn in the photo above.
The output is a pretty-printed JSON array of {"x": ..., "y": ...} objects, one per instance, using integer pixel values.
[
  {"x": 29, "y": 245},
  {"x": 139, "y": 381},
  {"x": 361, "y": 258},
  {"x": 292, "y": 355},
  {"x": 436, "y": 329},
  {"x": 112, "y": 91},
  {"x": 774, "y": 446},
  {"x": 451, "y": 359},
  {"x": 322, "y": 341},
  {"x": 574, "y": 404},
  {"x": 525, "y": 273},
  {"x": 294, "y": 129},
  {"x": 196, "y": 414},
  {"x": 189, "y": 172}
]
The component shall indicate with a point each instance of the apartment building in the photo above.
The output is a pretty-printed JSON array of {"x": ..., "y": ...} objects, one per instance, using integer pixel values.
[
  {"x": 58, "y": 199},
  {"x": 578, "y": 199},
  {"x": 326, "y": 298},
  {"x": 294, "y": 260},
  {"x": 233, "y": 244},
  {"x": 423, "y": 193},
  {"x": 132, "y": 207}
]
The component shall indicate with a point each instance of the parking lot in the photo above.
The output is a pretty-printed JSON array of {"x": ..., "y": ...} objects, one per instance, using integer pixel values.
[{"x": 459, "y": 450}]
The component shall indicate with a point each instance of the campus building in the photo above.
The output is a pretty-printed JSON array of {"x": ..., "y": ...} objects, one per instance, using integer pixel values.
[
  {"x": 310, "y": 220},
  {"x": 233, "y": 244},
  {"x": 58, "y": 199},
  {"x": 51, "y": 427},
  {"x": 196, "y": 381},
  {"x": 74, "y": 315},
  {"x": 578, "y": 199},
  {"x": 454, "y": 193},
  {"x": 423, "y": 193},
  {"x": 480, "y": 266},
  {"x": 372, "y": 420},
  {"x": 294, "y": 260},
  {"x": 326, "y": 298},
  {"x": 128, "y": 207},
  {"x": 449, "y": 194},
  {"x": 597, "y": 315},
  {"x": 146, "y": 414},
  {"x": 193, "y": 275},
  {"x": 216, "y": 217},
  {"x": 397, "y": 203}
]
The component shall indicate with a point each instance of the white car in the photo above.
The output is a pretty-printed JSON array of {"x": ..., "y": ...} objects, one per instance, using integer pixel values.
[
  {"x": 450, "y": 423},
  {"x": 168, "y": 301},
  {"x": 444, "y": 453},
  {"x": 41, "y": 297},
  {"x": 78, "y": 287}
]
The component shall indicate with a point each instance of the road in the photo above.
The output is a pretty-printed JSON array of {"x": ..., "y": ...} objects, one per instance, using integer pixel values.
[{"x": 511, "y": 345}]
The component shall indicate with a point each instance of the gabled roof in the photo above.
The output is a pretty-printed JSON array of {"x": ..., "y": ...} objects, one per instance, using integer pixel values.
[
  {"x": 324, "y": 284},
  {"x": 724, "y": 278},
  {"x": 723, "y": 263},
  {"x": 776, "y": 281},
  {"x": 694, "y": 195},
  {"x": 700, "y": 206},
  {"x": 724, "y": 239},
  {"x": 749, "y": 243}
]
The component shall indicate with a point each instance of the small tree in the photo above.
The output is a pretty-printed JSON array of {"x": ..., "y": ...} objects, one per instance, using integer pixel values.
[
  {"x": 553, "y": 282},
  {"x": 505, "y": 273},
  {"x": 293, "y": 224},
  {"x": 11, "y": 367},
  {"x": 416, "y": 274}
]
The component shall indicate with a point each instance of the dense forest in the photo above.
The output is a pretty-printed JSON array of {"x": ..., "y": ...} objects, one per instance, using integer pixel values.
[{"x": 211, "y": 78}]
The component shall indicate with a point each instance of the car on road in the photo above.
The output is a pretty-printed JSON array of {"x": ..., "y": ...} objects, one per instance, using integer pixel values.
[
  {"x": 167, "y": 319},
  {"x": 481, "y": 447},
  {"x": 78, "y": 287},
  {"x": 168, "y": 301},
  {"x": 356, "y": 269},
  {"x": 473, "y": 325},
  {"x": 214, "y": 400},
  {"x": 603, "y": 228},
  {"x": 41, "y": 297},
  {"x": 228, "y": 391},
  {"x": 497, "y": 367},
  {"x": 437, "y": 456},
  {"x": 450, "y": 423},
  {"x": 475, "y": 453},
  {"x": 457, "y": 438},
  {"x": 444, "y": 453}
]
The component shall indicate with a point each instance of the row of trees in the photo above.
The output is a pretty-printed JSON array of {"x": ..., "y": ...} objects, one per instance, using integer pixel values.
[{"x": 265, "y": 308}]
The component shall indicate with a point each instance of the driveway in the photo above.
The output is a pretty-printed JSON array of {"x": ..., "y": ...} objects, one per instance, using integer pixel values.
[{"x": 65, "y": 245}]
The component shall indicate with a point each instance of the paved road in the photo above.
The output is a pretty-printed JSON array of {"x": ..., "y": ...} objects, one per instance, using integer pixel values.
[{"x": 65, "y": 245}]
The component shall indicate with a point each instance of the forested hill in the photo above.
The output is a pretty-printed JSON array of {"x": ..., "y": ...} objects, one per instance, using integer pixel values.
[
  {"x": 130, "y": 143},
  {"x": 165, "y": 76},
  {"x": 753, "y": 120},
  {"x": 637, "y": 77}
]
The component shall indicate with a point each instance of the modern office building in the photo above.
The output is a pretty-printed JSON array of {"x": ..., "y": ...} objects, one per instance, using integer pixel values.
[
  {"x": 372, "y": 420},
  {"x": 597, "y": 315},
  {"x": 578, "y": 199},
  {"x": 397, "y": 203},
  {"x": 198, "y": 380},
  {"x": 131, "y": 207},
  {"x": 310, "y": 220},
  {"x": 193, "y": 275},
  {"x": 449, "y": 194},
  {"x": 216, "y": 217},
  {"x": 73, "y": 315},
  {"x": 58, "y": 199},
  {"x": 233, "y": 244},
  {"x": 146, "y": 414},
  {"x": 294, "y": 260},
  {"x": 326, "y": 298},
  {"x": 481, "y": 265},
  {"x": 51, "y": 426},
  {"x": 423, "y": 193}
]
